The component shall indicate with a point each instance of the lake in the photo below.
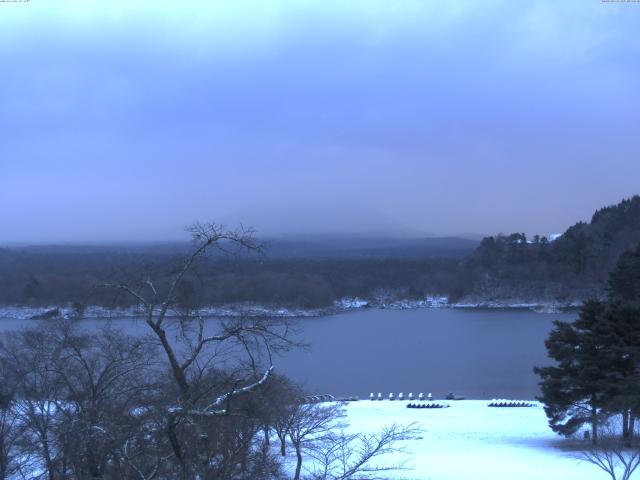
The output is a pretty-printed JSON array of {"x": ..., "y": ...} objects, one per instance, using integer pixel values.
[{"x": 475, "y": 353}]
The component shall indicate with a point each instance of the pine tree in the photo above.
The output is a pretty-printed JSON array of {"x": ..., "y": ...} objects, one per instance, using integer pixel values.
[
  {"x": 624, "y": 280},
  {"x": 619, "y": 332},
  {"x": 598, "y": 358},
  {"x": 574, "y": 391},
  {"x": 622, "y": 335}
]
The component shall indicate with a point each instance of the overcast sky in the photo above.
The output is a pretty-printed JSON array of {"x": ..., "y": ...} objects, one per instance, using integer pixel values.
[{"x": 128, "y": 120}]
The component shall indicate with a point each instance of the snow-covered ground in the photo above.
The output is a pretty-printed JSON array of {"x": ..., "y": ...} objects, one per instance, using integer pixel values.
[{"x": 470, "y": 440}]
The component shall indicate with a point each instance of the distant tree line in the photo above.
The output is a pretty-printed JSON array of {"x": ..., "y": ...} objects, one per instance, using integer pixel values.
[
  {"x": 40, "y": 279},
  {"x": 504, "y": 267}
]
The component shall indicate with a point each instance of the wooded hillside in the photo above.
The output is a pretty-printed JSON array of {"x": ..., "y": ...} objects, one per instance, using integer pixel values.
[{"x": 574, "y": 266}]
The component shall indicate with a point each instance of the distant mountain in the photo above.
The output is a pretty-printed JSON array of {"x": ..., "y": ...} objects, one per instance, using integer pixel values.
[
  {"x": 369, "y": 247},
  {"x": 144, "y": 248},
  {"x": 316, "y": 247},
  {"x": 573, "y": 267}
]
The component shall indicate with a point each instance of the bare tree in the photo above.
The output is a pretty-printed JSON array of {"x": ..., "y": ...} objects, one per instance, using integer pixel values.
[
  {"x": 28, "y": 355},
  {"x": 192, "y": 352},
  {"x": 105, "y": 378},
  {"x": 10, "y": 428},
  {"x": 346, "y": 456},
  {"x": 76, "y": 395},
  {"x": 99, "y": 405},
  {"x": 277, "y": 404},
  {"x": 618, "y": 457},
  {"x": 310, "y": 425},
  {"x": 318, "y": 431}
]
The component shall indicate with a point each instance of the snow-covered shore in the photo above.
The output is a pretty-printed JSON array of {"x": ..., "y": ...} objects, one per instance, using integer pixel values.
[
  {"x": 231, "y": 310},
  {"x": 17, "y": 312},
  {"x": 98, "y": 312},
  {"x": 540, "y": 307},
  {"x": 470, "y": 440}
]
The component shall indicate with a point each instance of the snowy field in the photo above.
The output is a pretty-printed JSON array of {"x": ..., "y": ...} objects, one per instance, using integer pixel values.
[{"x": 472, "y": 441}]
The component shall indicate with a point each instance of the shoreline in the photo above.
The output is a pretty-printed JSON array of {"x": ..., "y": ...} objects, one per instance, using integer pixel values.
[{"x": 21, "y": 312}]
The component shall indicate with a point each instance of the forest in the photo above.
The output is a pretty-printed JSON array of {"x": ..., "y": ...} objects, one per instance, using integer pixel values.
[
  {"x": 307, "y": 276},
  {"x": 575, "y": 266},
  {"x": 314, "y": 274}
]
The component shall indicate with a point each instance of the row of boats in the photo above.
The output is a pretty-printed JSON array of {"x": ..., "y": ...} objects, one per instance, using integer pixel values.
[
  {"x": 392, "y": 396},
  {"x": 510, "y": 403},
  {"x": 493, "y": 403},
  {"x": 427, "y": 405},
  {"x": 421, "y": 397}
]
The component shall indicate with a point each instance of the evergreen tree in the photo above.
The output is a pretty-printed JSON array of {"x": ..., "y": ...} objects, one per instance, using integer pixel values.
[
  {"x": 574, "y": 390},
  {"x": 624, "y": 280},
  {"x": 622, "y": 330},
  {"x": 619, "y": 333},
  {"x": 598, "y": 358}
]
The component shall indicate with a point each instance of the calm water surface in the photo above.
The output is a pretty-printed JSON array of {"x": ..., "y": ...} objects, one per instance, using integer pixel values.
[{"x": 476, "y": 353}]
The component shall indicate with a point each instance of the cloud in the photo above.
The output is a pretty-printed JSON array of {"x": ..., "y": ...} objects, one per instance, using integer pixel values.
[{"x": 422, "y": 115}]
